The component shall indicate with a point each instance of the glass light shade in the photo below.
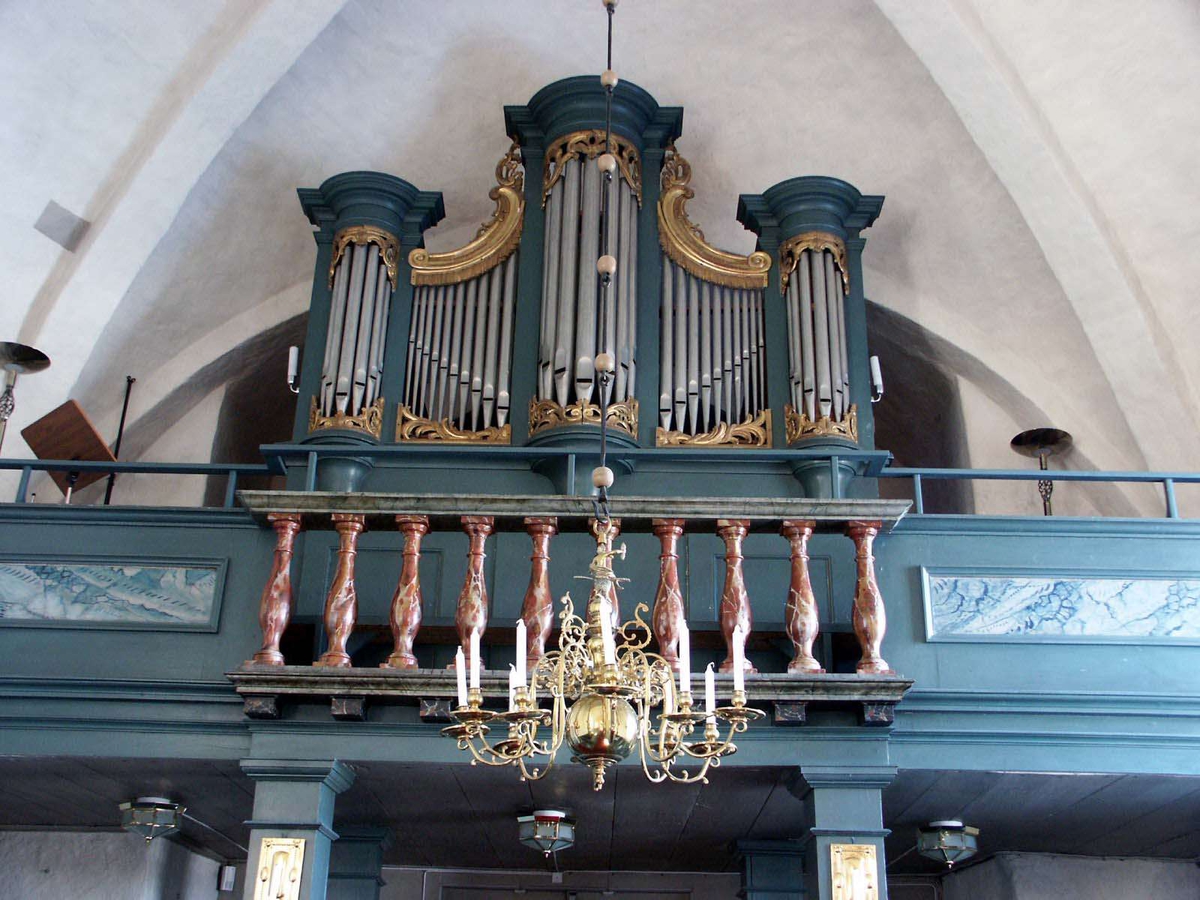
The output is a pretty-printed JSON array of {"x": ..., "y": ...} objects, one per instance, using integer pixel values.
[
  {"x": 151, "y": 817},
  {"x": 547, "y": 830},
  {"x": 949, "y": 841}
]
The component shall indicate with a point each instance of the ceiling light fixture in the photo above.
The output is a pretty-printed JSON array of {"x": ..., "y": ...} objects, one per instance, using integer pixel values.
[
  {"x": 547, "y": 830},
  {"x": 151, "y": 817},
  {"x": 948, "y": 841},
  {"x": 602, "y": 680}
]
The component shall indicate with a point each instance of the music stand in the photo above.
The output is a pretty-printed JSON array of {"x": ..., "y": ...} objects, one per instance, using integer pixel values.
[{"x": 68, "y": 433}]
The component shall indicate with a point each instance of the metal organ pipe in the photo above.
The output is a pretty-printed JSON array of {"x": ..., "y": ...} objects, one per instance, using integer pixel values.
[
  {"x": 816, "y": 313},
  {"x": 352, "y": 368},
  {"x": 573, "y": 331},
  {"x": 712, "y": 361},
  {"x": 464, "y": 332}
]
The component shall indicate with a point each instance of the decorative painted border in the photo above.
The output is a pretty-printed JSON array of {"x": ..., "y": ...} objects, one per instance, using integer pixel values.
[
  {"x": 1065, "y": 574},
  {"x": 219, "y": 564}
]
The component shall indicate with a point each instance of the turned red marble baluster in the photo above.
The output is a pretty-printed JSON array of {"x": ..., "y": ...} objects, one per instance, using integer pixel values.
[
  {"x": 668, "y": 600},
  {"x": 735, "y": 602},
  {"x": 406, "y": 602},
  {"x": 471, "y": 615},
  {"x": 870, "y": 620},
  {"x": 275, "y": 608},
  {"x": 537, "y": 611},
  {"x": 341, "y": 604},
  {"x": 614, "y": 530},
  {"x": 801, "y": 612}
]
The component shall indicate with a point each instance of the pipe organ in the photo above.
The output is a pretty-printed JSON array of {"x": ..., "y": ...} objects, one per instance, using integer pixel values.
[
  {"x": 362, "y": 277},
  {"x": 461, "y": 333},
  {"x": 713, "y": 357},
  {"x": 495, "y": 342},
  {"x": 814, "y": 285},
  {"x": 573, "y": 329}
]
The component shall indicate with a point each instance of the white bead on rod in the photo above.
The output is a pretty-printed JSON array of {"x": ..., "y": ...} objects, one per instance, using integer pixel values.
[
  {"x": 475, "y": 660},
  {"x": 521, "y": 651},
  {"x": 607, "y": 264},
  {"x": 607, "y": 162},
  {"x": 460, "y": 670},
  {"x": 608, "y": 78},
  {"x": 604, "y": 362},
  {"x": 602, "y": 477}
]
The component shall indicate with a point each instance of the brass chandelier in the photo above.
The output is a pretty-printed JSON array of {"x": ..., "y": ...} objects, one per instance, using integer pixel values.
[{"x": 603, "y": 682}]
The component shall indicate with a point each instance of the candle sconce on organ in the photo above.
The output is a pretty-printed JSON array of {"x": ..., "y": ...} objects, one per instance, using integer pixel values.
[{"x": 604, "y": 687}]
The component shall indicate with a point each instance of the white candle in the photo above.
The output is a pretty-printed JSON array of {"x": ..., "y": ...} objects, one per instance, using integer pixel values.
[
  {"x": 293, "y": 364},
  {"x": 521, "y": 649},
  {"x": 710, "y": 689},
  {"x": 475, "y": 660},
  {"x": 606, "y": 635},
  {"x": 685, "y": 659},
  {"x": 668, "y": 700},
  {"x": 460, "y": 669},
  {"x": 512, "y": 687},
  {"x": 739, "y": 659}
]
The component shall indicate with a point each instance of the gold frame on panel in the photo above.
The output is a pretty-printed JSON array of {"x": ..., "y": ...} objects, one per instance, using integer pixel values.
[
  {"x": 854, "y": 872},
  {"x": 286, "y": 852}
]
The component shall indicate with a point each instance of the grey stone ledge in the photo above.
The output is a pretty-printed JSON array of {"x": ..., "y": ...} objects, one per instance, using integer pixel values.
[{"x": 635, "y": 513}]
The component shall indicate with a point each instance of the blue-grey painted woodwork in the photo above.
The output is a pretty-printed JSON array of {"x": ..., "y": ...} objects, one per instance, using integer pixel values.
[
  {"x": 771, "y": 870},
  {"x": 844, "y": 805},
  {"x": 295, "y": 799},
  {"x": 832, "y": 206},
  {"x": 356, "y": 863},
  {"x": 398, "y": 208}
]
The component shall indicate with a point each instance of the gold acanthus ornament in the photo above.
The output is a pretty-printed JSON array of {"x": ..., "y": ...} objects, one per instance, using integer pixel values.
[
  {"x": 496, "y": 239},
  {"x": 411, "y": 427},
  {"x": 753, "y": 432},
  {"x": 817, "y": 241},
  {"x": 549, "y": 414},
  {"x": 369, "y": 420},
  {"x": 590, "y": 144},
  {"x": 684, "y": 243},
  {"x": 389, "y": 248},
  {"x": 798, "y": 425}
]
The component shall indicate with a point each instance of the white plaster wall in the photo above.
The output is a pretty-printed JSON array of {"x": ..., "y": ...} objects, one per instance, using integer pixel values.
[
  {"x": 101, "y": 865},
  {"x": 407, "y": 884},
  {"x": 1048, "y": 876}
]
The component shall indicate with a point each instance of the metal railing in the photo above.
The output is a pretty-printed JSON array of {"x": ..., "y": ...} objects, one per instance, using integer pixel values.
[
  {"x": 232, "y": 471},
  {"x": 1168, "y": 480}
]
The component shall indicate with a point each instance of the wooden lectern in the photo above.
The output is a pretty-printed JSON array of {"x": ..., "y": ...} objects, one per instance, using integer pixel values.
[{"x": 68, "y": 433}]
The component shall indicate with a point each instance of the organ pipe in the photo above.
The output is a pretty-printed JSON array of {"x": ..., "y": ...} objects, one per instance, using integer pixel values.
[
  {"x": 362, "y": 277},
  {"x": 815, "y": 282},
  {"x": 712, "y": 361},
  {"x": 461, "y": 327},
  {"x": 572, "y": 331}
]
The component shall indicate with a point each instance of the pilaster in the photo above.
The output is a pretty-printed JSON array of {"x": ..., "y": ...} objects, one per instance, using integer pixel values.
[
  {"x": 356, "y": 863},
  {"x": 844, "y": 805},
  {"x": 771, "y": 870},
  {"x": 295, "y": 799}
]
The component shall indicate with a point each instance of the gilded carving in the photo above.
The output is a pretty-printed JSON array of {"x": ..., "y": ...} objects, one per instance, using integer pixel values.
[
  {"x": 549, "y": 414},
  {"x": 854, "y": 872},
  {"x": 591, "y": 143},
  {"x": 369, "y": 420},
  {"x": 684, "y": 243},
  {"x": 411, "y": 427},
  {"x": 753, "y": 432},
  {"x": 817, "y": 241},
  {"x": 798, "y": 425},
  {"x": 389, "y": 247},
  {"x": 496, "y": 239},
  {"x": 280, "y": 869}
]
